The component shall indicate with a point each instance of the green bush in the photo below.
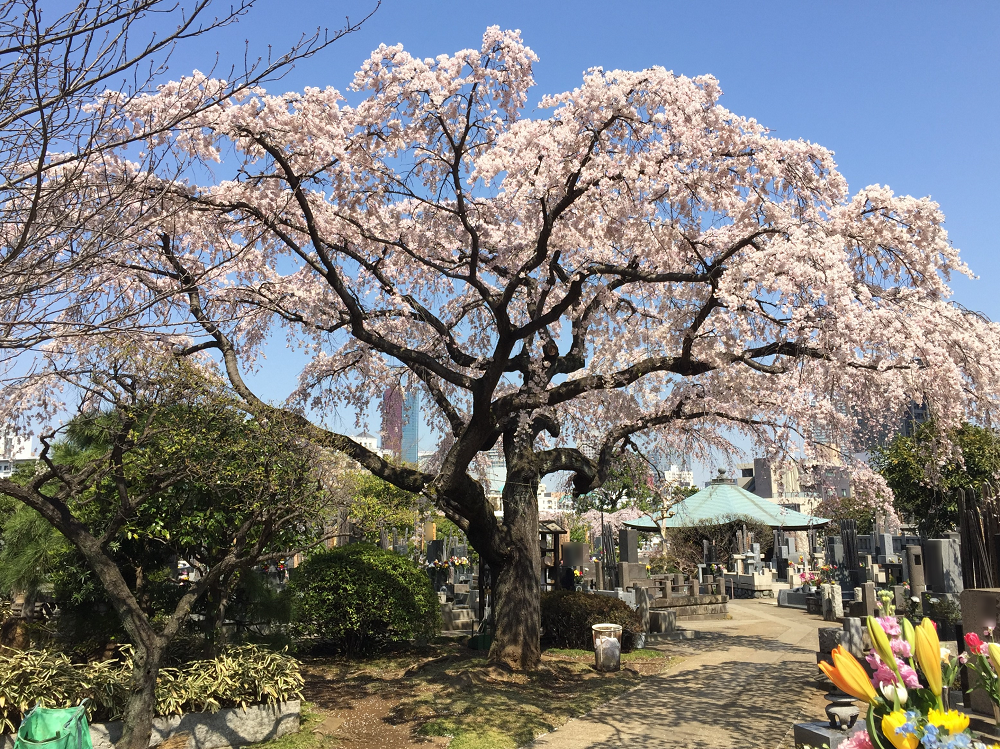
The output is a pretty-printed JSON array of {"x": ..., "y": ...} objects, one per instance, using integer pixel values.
[
  {"x": 237, "y": 678},
  {"x": 360, "y": 598},
  {"x": 567, "y": 618}
]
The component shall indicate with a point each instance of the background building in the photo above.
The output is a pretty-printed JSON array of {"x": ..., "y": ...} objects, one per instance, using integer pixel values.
[
  {"x": 799, "y": 486},
  {"x": 392, "y": 421},
  {"x": 677, "y": 475},
  {"x": 401, "y": 424},
  {"x": 14, "y": 451},
  {"x": 369, "y": 441},
  {"x": 411, "y": 428}
]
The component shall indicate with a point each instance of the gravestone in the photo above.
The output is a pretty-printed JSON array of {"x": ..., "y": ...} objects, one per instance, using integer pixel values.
[
  {"x": 866, "y": 545},
  {"x": 855, "y": 638},
  {"x": 576, "y": 554},
  {"x": 642, "y": 601},
  {"x": 834, "y": 550},
  {"x": 628, "y": 546},
  {"x": 980, "y": 607},
  {"x": 868, "y": 598},
  {"x": 435, "y": 551},
  {"x": 831, "y": 602},
  {"x": 829, "y": 638},
  {"x": 852, "y": 562},
  {"x": 867, "y": 570},
  {"x": 884, "y": 543},
  {"x": 461, "y": 550},
  {"x": 943, "y": 565},
  {"x": 915, "y": 569},
  {"x": 886, "y": 555},
  {"x": 899, "y": 597},
  {"x": 708, "y": 551},
  {"x": 781, "y": 561}
]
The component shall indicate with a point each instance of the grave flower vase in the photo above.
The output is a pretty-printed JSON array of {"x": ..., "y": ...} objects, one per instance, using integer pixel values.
[{"x": 946, "y": 630}]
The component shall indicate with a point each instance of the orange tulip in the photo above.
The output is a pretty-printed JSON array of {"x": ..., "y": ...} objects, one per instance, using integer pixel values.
[{"x": 849, "y": 676}]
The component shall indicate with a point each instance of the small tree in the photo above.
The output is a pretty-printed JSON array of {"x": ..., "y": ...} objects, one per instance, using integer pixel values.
[
  {"x": 359, "y": 598},
  {"x": 374, "y": 506},
  {"x": 173, "y": 469},
  {"x": 923, "y": 475}
]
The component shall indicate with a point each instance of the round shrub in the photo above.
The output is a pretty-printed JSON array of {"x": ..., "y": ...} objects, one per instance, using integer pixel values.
[
  {"x": 360, "y": 598},
  {"x": 567, "y": 618}
]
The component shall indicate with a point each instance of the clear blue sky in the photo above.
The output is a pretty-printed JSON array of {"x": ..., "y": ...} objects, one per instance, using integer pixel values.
[{"x": 906, "y": 93}]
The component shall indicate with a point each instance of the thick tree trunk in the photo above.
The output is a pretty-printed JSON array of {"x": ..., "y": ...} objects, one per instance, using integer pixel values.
[
  {"x": 141, "y": 707},
  {"x": 517, "y": 578}
]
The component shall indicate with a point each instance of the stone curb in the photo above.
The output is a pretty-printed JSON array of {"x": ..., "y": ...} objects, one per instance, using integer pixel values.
[{"x": 233, "y": 726}]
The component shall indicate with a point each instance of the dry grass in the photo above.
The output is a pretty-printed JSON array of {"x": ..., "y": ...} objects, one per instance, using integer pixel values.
[{"x": 445, "y": 694}]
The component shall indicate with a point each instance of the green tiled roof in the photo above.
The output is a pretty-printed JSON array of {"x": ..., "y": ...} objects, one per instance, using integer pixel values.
[{"x": 721, "y": 499}]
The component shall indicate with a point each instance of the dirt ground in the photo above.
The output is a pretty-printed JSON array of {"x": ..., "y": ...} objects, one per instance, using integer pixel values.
[{"x": 447, "y": 695}]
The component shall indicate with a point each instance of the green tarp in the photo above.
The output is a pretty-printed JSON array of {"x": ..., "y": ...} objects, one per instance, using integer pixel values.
[
  {"x": 723, "y": 500},
  {"x": 54, "y": 728}
]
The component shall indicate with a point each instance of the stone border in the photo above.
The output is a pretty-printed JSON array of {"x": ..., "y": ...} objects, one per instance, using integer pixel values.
[{"x": 233, "y": 726}]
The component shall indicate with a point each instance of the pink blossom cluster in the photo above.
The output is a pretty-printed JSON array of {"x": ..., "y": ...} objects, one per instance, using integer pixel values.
[{"x": 631, "y": 260}]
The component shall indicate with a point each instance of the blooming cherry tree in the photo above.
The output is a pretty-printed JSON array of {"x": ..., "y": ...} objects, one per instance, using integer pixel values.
[{"x": 633, "y": 262}]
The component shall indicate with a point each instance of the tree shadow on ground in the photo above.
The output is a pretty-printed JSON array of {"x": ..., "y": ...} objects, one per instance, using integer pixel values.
[{"x": 745, "y": 705}]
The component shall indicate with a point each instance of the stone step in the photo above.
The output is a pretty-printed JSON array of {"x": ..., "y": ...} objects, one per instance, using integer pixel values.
[
  {"x": 703, "y": 618},
  {"x": 681, "y": 601},
  {"x": 721, "y": 610}
]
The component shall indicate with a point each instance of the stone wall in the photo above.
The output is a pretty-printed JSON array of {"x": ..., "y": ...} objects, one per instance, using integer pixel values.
[{"x": 228, "y": 727}]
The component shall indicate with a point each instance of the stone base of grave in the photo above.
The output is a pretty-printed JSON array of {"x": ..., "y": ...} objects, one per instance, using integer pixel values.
[
  {"x": 700, "y": 600},
  {"x": 753, "y": 586},
  {"x": 662, "y": 620},
  {"x": 819, "y": 733},
  {"x": 693, "y": 608},
  {"x": 457, "y": 618},
  {"x": 792, "y": 599}
]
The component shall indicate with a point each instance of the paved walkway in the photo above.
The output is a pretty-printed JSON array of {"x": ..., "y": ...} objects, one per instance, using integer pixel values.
[{"x": 740, "y": 686}]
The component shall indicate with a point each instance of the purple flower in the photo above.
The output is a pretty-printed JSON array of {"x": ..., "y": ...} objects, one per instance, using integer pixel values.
[{"x": 890, "y": 625}]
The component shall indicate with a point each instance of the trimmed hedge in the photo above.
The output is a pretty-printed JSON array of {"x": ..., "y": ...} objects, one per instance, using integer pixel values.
[
  {"x": 360, "y": 598},
  {"x": 567, "y": 618},
  {"x": 239, "y": 677}
]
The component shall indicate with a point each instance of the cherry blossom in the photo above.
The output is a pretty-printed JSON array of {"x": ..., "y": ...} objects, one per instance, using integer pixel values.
[{"x": 632, "y": 267}]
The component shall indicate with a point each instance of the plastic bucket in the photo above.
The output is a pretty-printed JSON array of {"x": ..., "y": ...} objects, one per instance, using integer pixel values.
[{"x": 607, "y": 646}]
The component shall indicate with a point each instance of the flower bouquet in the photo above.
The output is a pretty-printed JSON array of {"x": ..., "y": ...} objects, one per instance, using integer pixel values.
[
  {"x": 809, "y": 579},
  {"x": 984, "y": 662},
  {"x": 905, "y": 706}
]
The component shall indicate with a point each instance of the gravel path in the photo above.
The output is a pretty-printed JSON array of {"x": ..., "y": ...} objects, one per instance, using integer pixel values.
[{"x": 741, "y": 685}]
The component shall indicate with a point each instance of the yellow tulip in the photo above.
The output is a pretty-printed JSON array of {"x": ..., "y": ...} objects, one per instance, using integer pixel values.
[
  {"x": 952, "y": 721},
  {"x": 994, "y": 651},
  {"x": 892, "y": 721},
  {"x": 928, "y": 652},
  {"x": 880, "y": 640},
  {"x": 849, "y": 676}
]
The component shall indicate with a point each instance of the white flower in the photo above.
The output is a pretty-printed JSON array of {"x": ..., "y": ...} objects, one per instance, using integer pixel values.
[{"x": 891, "y": 691}]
